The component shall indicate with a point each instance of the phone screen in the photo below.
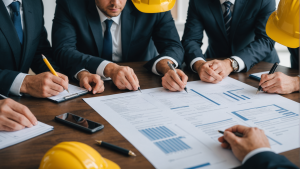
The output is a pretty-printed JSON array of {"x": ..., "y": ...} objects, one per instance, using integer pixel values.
[{"x": 79, "y": 120}]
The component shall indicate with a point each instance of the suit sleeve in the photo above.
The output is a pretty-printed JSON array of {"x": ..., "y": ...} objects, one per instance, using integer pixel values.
[
  {"x": 268, "y": 160},
  {"x": 64, "y": 41},
  {"x": 7, "y": 78},
  {"x": 166, "y": 40},
  {"x": 262, "y": 45},
  {"x": 193, "y": 35}
]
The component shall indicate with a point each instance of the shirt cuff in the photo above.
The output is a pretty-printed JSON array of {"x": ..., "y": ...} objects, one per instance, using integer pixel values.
[
  {"x": 254, "y": 152},
  {"x": 79, "y": 72},
  {"x": 240, "y": 62},
  {"x": 164, "y": 57},
  {"x": 16, "y": 86},
  {"x": 194, "y": 61}
]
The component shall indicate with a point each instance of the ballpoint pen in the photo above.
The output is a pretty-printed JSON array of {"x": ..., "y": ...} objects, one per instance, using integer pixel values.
[
  {"x": 115, "y": 148},
  {"x": 139, "y": 89},
  {"x": 4, "y": 97},
  {"x": 235, "y": 133},
  {"x": 172, "y": 67},
  {"x": 51, "y": 68},
  {"x": 271, "y": 72}
]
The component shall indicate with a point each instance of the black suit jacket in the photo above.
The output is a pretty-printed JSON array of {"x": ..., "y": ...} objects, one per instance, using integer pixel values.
[
  {"x": 268, "y": 160},
  {"x": 294, "y": 57},
  {"x": 77, "y": 36},
  {"x": 248, "y": 39},
  {"x": 16, "y": 58}
]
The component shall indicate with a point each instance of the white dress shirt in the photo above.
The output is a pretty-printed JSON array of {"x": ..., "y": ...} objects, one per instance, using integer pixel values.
[
  {"x": 15, "y": 87},
  {"x": 117, "y": 45},
  {"x": 240, "y": 62}
]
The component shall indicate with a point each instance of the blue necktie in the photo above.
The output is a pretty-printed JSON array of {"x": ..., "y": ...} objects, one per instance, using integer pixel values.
[
  {"x": 227, "y": 17},
  {"x": 16, "y": 18},
  {"x": 107, "y": 42}
]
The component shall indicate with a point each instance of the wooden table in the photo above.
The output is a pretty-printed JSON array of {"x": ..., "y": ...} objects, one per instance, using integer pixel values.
[{"x": 28, "y": 154}]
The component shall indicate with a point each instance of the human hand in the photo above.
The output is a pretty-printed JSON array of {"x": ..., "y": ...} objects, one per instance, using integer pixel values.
[
  {"x": 90, "y": 82},
  {"x": 174, "y": 82},
  {"x": 279, "y": 83},
  {"x": 15, "y": 116},
  {"x": 122, "y": 76},
  {"x": 212, "y": 71},
  {"x": 253, "y": 138},
  {"x": 44, "y": 85}
]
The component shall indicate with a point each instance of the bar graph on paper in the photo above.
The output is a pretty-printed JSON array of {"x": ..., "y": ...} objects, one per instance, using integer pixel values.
[
  {"x": 236, "y": 95},
  {"x": 165, "y": 139}
]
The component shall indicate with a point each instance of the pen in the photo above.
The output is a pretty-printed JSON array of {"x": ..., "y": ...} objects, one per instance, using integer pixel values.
[
  {"x": 139, "y": 89},
  {"x": 235, "y": 133},
  {"x": 4, "y": 97},
  {"x": 115, "y": 148},
  {"x": 271, "y": 72},
  {"x": 50, "y": 67},
  {"x": 172, "y": 67}
]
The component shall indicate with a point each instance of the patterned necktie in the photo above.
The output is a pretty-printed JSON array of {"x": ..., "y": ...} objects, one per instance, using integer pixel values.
[
  {"x": 16, "y": 18},
  {"x": 107, "y": 42},
  {"x": 227, "y": 17}
]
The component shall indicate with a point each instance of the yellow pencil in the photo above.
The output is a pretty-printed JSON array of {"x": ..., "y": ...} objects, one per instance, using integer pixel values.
[{"x": 50, "y": 67}]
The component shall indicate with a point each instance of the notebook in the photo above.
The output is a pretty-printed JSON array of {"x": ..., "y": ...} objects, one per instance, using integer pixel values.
[
  {"x": 257, "y": 76},
  {"x": 11, "y": 138},
  {"x": 75, "y": 91}
]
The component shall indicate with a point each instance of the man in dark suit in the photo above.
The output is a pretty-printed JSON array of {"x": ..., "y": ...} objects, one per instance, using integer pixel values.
[
  {"x": 235, "y": 30},
  {"x": 23, "y": 38},
  {"x": 93, "y": 35},
  {"x": 253, "y": 149}
]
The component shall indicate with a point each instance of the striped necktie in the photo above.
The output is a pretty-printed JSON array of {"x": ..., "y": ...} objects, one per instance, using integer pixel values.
[{"x": 227, "y": 16}]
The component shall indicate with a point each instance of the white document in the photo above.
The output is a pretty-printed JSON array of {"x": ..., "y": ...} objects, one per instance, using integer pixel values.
[
  {"x": 11, "y": 138},
  {"x": 74, "y": 92},
  {"x": 179, "y": 129}
]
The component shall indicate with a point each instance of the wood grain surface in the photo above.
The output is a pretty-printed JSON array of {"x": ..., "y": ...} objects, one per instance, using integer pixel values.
[{"x": 28, "y": 154}]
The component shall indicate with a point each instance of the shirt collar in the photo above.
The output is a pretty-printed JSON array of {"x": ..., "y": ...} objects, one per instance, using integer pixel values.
[
  {"x": 103, "y": 17},
  {"x": 232, "y": 1},
  {"x": 8, "y": 2}
]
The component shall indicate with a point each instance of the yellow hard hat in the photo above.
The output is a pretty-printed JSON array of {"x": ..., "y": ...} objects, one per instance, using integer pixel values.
[
  {"x": 283, "y": 24},
  {"x": 154, "y": 6},
  {"x": 75, "y": 155}
]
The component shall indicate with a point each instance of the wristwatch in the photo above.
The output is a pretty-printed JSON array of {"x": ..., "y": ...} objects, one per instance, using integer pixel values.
[{"x": 234, "y": 64}]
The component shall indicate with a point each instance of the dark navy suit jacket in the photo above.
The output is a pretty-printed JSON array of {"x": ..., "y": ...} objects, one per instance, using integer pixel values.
[
  {"x": 248, "y": 39},
  {"x": 77, "y": 36},
  {"x": 294, "y": 57},
  {"x": 16, "y": 58},
  {"x": 268, "y": 160}
]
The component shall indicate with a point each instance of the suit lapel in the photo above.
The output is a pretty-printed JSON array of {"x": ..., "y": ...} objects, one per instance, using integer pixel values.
[
  {"x": 29, "y": 29},
  {"x": 238, "y": 10},
  {"x": 216, "y": 10},
  {"x": 95, "y": 24},
  {"x": 10, "y": 33},
  {"x": 127, "y": 26}
]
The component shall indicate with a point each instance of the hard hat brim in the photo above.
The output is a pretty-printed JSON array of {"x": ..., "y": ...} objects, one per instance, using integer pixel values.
[
  {"x": 278, "y": 35},
  {"x": 145, "y": 8},
  {"x": 111, "y": 164}
]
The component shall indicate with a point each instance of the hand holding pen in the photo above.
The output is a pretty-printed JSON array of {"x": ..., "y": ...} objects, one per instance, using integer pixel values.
[{"x": 271, "y": 72}]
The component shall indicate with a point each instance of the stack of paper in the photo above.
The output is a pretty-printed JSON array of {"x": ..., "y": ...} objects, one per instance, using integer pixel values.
[{"x": 11, "y": 138}]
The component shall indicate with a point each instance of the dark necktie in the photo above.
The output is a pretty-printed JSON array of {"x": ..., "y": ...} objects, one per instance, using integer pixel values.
[
  {"x": 107, "y": 42},
  {"x": 227, "y": 17},
  {"x": 16, "y": 18}
]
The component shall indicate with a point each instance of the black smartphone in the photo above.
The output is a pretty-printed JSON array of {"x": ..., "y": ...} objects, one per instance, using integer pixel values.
[{"x": 79, "y": 122}]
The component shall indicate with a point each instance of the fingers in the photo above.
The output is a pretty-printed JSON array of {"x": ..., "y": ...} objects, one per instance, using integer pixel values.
[
  {"x": 5, "y": 128},
  {"x": 184, "y": 78},
  {"x": 170, "y": 83},
  {"x": 166, "y": 85},
  {"x": 99, "y": 87},
  {"x": 10, "y": 125},
  {"x": 238, "y": 128},
  {"x": 61, "y": 82},
  {"x": 265, "y": 77},
  {"x": 84, "y": 82},
  {"x": 23, "y": 110},
  {"x": 231, "y": 138},
  {"x": 132, "y": 83},
  {"x": 19, "y": 118}
]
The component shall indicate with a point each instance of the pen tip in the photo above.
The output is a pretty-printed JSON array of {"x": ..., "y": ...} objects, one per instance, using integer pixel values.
[
  {"x": 257, "y": 91},
  {"x": 132, "y": 153}
]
